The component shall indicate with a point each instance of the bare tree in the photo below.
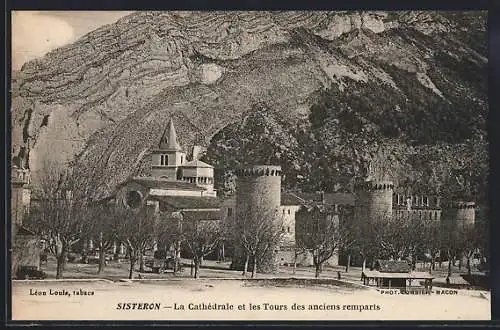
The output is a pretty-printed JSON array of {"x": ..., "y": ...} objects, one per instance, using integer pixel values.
[
  {"x": 469, "y": 238},
  {"x": 60, "y": 211},
  {"x": 297, "y": 251},
  {"x": 202, "y": 237},
  {"x": 369, "y": 235},
  {"x": 171, "y": 236},
  {"x": 450, "y": 245},
  {"x": 348, "y": 243},
  {"x": 323, "y": 235},
  {"x": 257, "y": 231},
  {"x": 403, "y": 237},
  {"x": 103, "y": 227},
  {"x": 267, "y": 244},
  {"x": 393, "y": 243},
  {"x": 432, "y": 242},
  {"x": 483, "y": 234},
  {"x": 137, "y": 230}
]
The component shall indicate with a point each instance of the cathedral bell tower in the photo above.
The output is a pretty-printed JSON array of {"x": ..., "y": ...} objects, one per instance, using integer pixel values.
[{"x": 167, "y": 159}]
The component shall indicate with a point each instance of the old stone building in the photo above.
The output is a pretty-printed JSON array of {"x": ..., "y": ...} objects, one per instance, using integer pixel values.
[
  {"x": 173, "y": 177},
  {"x": 25, "y": 245},
  {"x": 372, "y": 200},
  {"x": 177, "y": 185},
  {"x": 258, "y": 198},
  {"x": 169, "y": 163},
  {"x": 183, "y": 189}
]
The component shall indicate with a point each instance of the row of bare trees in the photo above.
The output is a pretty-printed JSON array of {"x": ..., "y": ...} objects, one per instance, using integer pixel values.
[
  {"x": 322, "y": 235},
  {"x": 63, "y": 213},
  {"x": 399, "y": 237},
  {"x": 414, "y": 240},
  {"x": 256, "y": 231}
]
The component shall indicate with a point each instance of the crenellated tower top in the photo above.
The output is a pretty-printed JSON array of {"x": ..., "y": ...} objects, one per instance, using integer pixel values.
[{"x": 259, "y": 170}]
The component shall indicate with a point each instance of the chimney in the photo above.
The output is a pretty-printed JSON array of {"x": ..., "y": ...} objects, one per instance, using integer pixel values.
[{"x": 197, "y": 152}]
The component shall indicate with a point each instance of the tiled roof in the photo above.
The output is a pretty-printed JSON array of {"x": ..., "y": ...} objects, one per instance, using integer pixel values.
[
  {"x": 201, "y": 215},
  {"x": 151, "y": 182},
  {"x": 392, "y": 266},
  {"x": 168, "y": 140},
  {"x": 23, "y": 231},
  {"x": 185, "y": 202},
  {"x": 197, "y": 163},
  {"x": 329, "y": 198},
  {"x": 414, "y": 275},
  {"x": 287, "y": 199},
  {"x": 290, "y": 199}
]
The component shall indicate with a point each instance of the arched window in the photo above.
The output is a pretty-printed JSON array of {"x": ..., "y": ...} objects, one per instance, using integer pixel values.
[{"x": 163, "y": 160}]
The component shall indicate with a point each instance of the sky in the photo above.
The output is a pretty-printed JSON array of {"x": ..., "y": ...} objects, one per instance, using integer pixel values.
[{"x": 34, "y": 33}]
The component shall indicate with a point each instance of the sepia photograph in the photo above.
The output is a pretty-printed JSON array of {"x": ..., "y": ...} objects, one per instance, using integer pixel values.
[{"x": 249, "y": 165}]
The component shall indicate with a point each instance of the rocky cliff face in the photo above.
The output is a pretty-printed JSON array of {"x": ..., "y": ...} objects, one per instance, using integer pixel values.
[{"x": 103, "y": 101}]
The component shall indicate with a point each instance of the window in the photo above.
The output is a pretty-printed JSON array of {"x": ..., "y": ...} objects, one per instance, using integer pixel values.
[
  {"x": 182, "y": 159},
  {"x": 229, "y": 212},
  {"x": 163, "y": 160},
  {"x": 288, "y": 211},
  {"x": 283, "y": 211},
  {"x": 288, "y": 229}
]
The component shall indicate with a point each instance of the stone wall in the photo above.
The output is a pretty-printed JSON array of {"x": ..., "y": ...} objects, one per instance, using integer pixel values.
[
  {"x": 373, "y": 200},
  {"x": 25, "y": 252},
  {"x": 258, "y": 194}
]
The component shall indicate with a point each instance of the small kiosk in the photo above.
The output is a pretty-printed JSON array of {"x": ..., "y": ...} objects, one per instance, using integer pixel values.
[{"x": 395, "y": 274}]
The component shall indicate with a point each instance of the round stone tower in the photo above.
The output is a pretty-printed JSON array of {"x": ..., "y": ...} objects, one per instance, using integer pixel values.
[
  {"x": 258, "y": 197},
  {"x": 463, "y": 214},
  {"x": 373, "y": 200}
]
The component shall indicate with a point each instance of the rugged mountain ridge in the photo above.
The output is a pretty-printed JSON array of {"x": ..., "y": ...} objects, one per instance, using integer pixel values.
[{"x": 103, "y": 101}]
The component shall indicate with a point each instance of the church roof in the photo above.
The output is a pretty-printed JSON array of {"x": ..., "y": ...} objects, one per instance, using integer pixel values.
[
  {"x": 290, "y": 199},
  {"x": 157, "y": 183},
  {"x": 287, "y": 199},
  {"x": 197, "y": 163},
  {"x": 412, "y": 275},
  {"x": 188, "y": 203},
  {"x": 169, "y": 139},
  {"x": 23, "y": 231},
  {"x": 200, "y": 215},
  {"x": 338, "y": 198},
  {"x": 392, "y": 266}
]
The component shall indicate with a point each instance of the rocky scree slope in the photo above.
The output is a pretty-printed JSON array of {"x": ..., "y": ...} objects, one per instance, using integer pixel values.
[{"x": 102, "y": 102}]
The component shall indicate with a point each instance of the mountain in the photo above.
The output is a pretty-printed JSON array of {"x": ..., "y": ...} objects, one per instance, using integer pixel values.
[{"x": 102, "y": 102}]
